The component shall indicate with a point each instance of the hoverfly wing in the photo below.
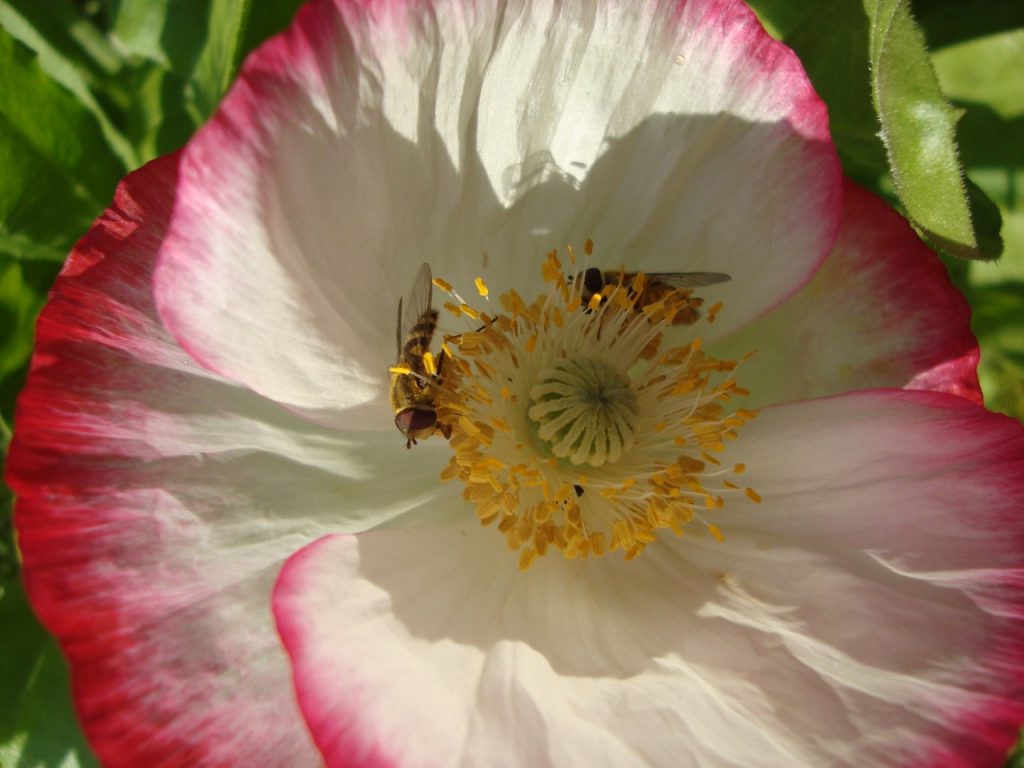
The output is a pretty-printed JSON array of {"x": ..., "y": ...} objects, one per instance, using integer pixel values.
[
  {"x": 398, "y": 333},
  {"x": 417, "y": 301},
  {"x": 689, "y": 279},
  {"x": 416, "y": 321}
]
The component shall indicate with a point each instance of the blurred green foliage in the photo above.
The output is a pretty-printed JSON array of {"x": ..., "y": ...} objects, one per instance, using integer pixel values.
[{"x": 90, "y": 89}]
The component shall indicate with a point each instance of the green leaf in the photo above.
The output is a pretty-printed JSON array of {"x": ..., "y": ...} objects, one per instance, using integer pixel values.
[
  {"x": 23, "y": 287},
  {"x": 59, "y": 170},
  {"x": 157, "y": 121},
  {"x": 203, "y": 45},
  {"x": 38, "y": 727},
  {"x": 951, "y": 21},
  {"x": 54, "y": 123},
  {"x": 24, "y": 248},
  {"x": 887, "y": 114},
  {"x": 781, "y": 17},
  {"x": 985, "y": 79},
  {"x": 219, "y": 59},
  {"x": 832, "y": 40},
  {"x": 23, "y": 641},
  {"x": 37, "y": 721},
  {"x": 918, "y": 128},
  {"x": 998, "y": 322},
  {"x": 76, "y": 54},
  {"x": 1016, "y": 759},
  {"x": 988, "y": 72},
  {"x": 265, "y": 20}
]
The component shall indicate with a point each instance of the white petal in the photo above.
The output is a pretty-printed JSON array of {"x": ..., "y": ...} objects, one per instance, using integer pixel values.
[
  {"x": 865, "y": 612},
  {"x": 476, "y": 138},
  {"x": 881, "y": 312}
]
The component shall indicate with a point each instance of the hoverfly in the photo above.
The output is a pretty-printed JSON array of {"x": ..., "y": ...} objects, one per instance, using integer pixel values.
[
  {"x": 655, "y": 286},
  {"x": 413, "y": 392}
]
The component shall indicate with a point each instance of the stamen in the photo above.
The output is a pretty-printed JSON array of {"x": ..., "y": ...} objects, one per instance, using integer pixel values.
[{"x": 547, "y": 387}]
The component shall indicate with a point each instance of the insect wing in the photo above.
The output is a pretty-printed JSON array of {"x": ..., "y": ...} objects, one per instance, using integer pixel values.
[
  {"x": 689, "y": 279},
  {"x": 398, "y": 333},
  {"x": 417, "y": 301},
  {"x": 416, "y": 319}
]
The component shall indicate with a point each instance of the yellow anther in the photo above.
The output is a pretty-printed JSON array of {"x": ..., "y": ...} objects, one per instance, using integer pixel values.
[
  {"x": 540, "y": 542},
  {"x": 638, "y": 283},
  {"x": 444, "y": 285},
  {"x": 588, "y": 247},
  {"x": 753, "y": 495},
  {"x": 551, "y": 271},
  {"x": 689, "y": 465},
  {"x": 400, "y": 369},
  {"x": 716, "y": 532},
  {"x": 526, "y": 493},
  {"x": 469, "y": 426},
  {"x": 429, "y": 364}
]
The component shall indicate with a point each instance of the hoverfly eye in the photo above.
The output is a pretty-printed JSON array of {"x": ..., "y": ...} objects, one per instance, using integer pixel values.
[
  {"x": 413, "y": 420},
  {"x": 593, "y": 280}
]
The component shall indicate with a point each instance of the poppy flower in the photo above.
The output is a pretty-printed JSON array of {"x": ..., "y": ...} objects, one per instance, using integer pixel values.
[{"x": 761, "y": 520}]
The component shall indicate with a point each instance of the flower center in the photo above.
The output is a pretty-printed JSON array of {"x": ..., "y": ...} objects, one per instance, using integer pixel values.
[
  {"x": 572, "y": 429},
  {"x": 585, "y": 411}
]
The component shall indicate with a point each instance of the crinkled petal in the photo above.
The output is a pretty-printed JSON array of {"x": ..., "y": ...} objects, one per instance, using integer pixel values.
[
  {"x": 156, "y": 503},
  {"x": 892, "y": 525},
  {"x": 372, "y": 137},
  {"x": 868, "y": 612},
  {"x": 881, "y": 312}
]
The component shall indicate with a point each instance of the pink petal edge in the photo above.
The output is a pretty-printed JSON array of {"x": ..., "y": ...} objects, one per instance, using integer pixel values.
[
  {"x": 98, "y": 538},
  {"x": 341, "y": 745},
  {"x": 880, "y": 312},
  {"x": 976, "y": 737}
]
